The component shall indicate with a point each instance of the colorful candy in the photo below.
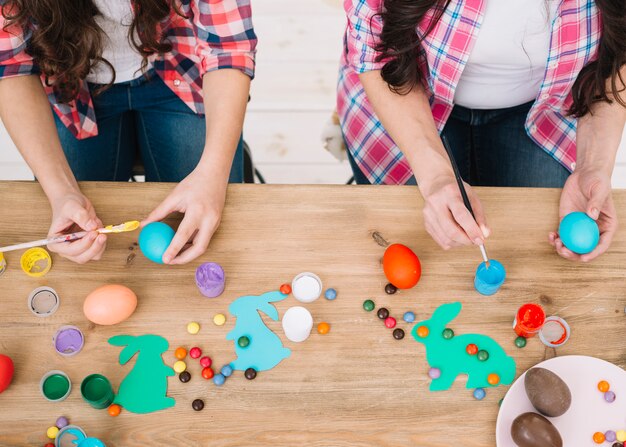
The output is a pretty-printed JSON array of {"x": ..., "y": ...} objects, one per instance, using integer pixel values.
[
  {"x": 409, "y": 317},
  {"x": 250, "y": 373},
  {"x": 207, "y": 373},
  {"x": 390, "y": 322},
  {"x": 180, "y": 353},
  {"x": 603, "y": 386},
  {"x": 52, "y": 432},
  {"x": 285, "y": 289},
  {"x": 184, "y": 376},
  {"x": 610, "y": 436},
  {"x": 471, "y": 349},
  {"x": 390, "y": 289},
  {"x": 219, "y": 379},
  {"x": 323, "y": 328},
  {"x": 330, "y": 294},
  {"x": 227, "y": 370},
  {"x": 482, "y": 355},
  {"x": 114, "y": 410},
  {"x": 434, "y": 373},
  {"x": 243, "y": 341},
  {"x": 180, "y": 366},
  {"x": 422, "y": 332},
  {"x": 368, "y": 305},
  {"x": 195, "y": 352},
  {"x": 219, "y": 319},
  {"x": 205, "y": 361},
  {"x": 398, "y": 334},
  {"x": 609, "y": 396},
  {"x": 598, "y": 437},
  {"x": 382, "y": 313},
  {"x": 448, "y": 333},
  {"x": 621, "y": 435},
  {"x": 197, "y": 404},
  {"x": 520, "y": 342},
  {"x": 62, "y": 422},
  {"x": 193, "y": 328},
  {"x": 479, "y": 394},
  {"x": 493, "y": 379}
]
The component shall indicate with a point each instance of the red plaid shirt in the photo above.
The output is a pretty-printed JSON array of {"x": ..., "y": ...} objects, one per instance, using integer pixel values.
[
  {"x": 218, "y": 34},
  {"x": 445, "y": 51}
]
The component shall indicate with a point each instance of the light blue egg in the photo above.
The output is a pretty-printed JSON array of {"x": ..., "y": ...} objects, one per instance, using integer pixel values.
[
  {"x": 154, "y": 240},
  {"x": 579, "y": 233}
]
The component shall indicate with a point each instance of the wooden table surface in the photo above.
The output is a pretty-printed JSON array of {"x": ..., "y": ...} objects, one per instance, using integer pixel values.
[{"x": 355, "y": 386}]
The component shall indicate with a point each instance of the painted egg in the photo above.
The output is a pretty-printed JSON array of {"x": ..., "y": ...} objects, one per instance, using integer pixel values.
[
  {"x": 401, "y": 266},
  {"x": 6, "y": 372},
  {"x": 547, "y": 392},
  {"x": 579, "y": 232},
  {"x": 534, "y": 430},
  {"x": 110, "y": 304},
  {"x": 154, "y": 240}
]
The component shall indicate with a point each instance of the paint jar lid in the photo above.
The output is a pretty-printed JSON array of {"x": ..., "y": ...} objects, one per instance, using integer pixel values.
[
  {"x": 306, "y": 287},
  {"x": 36, "y": 262},
  {"x": 68, "y": 434},
  {"x": 43, "y": 301},
  {"x": 555, "y": 332},
  {"x": 68, "y": 341},
  {"x": 55, "y": 386}
]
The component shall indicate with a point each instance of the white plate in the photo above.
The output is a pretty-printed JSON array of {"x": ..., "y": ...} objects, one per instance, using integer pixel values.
[{"x": 589, "y": 411}]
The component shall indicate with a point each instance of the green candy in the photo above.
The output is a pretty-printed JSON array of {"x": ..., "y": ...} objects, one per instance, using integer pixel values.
[
  {"x": 482, "y": 355},
  {"x": 368, "y": 305},
  {"x": 243, "y": 342},
  {"x": 520, "y": 342},
  {"x": 447, "y": 333}
]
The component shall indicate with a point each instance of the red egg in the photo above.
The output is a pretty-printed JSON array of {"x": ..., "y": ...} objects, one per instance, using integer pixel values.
[
  {"x": 6, "y": 372},
  {"x": 401, "y": 266}
]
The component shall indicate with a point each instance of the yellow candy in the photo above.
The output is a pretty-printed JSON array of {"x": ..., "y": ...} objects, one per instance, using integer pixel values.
[
  {"x": 193, "y": 327},
  {"x": 180, "y": 366},
  {"x": 52, "y": 432},
  {"x": 621, "y": 435},
  {"x": 219, "y": 319}
]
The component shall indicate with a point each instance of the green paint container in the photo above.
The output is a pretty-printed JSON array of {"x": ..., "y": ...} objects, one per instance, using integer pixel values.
[
  {"x": 97, "y": 391},
  {"x": 55, "y": 386}
]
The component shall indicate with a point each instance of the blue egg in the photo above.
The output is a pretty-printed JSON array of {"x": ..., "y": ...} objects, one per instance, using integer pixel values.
[
  {"x": 219, "y": 379},
  {"x": 479, "y": 394},
  {"x": 579, "y": 233},
  {"x": 409, "y": 317},
  {"x": 330, "y": 294},
  {"x": 154, "y": 240}
]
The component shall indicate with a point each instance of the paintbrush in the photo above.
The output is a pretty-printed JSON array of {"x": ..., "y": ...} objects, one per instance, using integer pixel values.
[
  {"x": 121, "y": 228},
  {"x": 466, "y": 201}
]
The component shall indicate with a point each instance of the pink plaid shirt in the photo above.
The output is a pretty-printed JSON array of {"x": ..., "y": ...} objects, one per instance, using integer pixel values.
[
  {"x": 445, "y": 51},
  {"x": 218, "y": 34}
]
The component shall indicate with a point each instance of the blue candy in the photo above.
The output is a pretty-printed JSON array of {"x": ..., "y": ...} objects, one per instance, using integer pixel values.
[
  {"x": 409, "y": 317},
  {"x": 154, "y": 240},
  {"x": 579, "y": 232},
  {"x": 330, "y": 294},
  {"x": 219, "y": 379},
  {"x": 227, "y": 370},
  {"x": 479, "y": 394}
]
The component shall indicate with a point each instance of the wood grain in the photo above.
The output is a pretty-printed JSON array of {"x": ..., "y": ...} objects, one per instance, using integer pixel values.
[{"x": 356, "y": 386}]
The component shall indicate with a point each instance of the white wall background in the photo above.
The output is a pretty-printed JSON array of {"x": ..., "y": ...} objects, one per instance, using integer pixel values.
[{"x": 293, "y": 96}]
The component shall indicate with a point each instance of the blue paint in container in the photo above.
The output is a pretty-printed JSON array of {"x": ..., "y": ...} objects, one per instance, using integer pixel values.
[{"x": 489, "y": 280}]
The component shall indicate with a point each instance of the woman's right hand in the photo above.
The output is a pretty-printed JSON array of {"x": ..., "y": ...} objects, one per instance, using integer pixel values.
[
  {"x": 72, "y": 212},
  {"x": 447, "y": 219}
]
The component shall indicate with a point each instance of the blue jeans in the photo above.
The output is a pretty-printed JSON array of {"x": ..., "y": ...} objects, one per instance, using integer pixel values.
[
  {"x": 141, "y": 117},
  {"x": 492, "y": 148}
]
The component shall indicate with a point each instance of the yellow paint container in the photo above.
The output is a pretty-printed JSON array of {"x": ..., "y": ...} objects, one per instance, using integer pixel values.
[
  {"x": 36, "y": 262},
  {"x": 3, "y": 263}
]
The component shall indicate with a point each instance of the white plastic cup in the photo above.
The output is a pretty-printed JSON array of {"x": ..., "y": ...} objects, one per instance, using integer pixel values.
[{"x": 297, "y": 324}]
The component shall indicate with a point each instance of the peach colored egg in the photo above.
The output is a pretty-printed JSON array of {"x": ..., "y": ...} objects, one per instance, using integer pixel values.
[{"x": 110, "y": 304}]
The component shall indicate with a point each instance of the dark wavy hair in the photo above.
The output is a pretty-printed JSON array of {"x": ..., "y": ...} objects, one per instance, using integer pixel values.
[
  {"x": 400, "y": 47},
  {"x": 67, "y": 42}
]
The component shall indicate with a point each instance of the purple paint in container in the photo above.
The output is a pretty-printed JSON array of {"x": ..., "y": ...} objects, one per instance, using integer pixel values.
[
  {"x": 210, "y": 279},
  {"x": 68, "y": 341}
]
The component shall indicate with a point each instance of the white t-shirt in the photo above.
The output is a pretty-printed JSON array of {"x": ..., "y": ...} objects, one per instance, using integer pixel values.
[
  {"x": 115, "y": 19},
  {"x": 509, "y": 58}
]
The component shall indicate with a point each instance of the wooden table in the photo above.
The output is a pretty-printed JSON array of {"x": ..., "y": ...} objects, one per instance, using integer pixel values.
[{"x": 356, "y": 386}]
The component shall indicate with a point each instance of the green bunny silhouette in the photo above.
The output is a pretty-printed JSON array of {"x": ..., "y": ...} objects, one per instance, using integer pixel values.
[{"x": 144, "y": 389}]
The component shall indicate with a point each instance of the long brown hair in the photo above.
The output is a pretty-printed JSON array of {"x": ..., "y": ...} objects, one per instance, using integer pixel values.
[
  {"x": 400, "y": 47},
  {"x": 66, "y": 40}
]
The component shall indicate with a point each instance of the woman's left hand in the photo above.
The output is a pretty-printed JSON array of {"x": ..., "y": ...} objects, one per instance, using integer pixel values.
[
  {"x": 589, "y": 191},
  {"x": 202, "y": 201}
]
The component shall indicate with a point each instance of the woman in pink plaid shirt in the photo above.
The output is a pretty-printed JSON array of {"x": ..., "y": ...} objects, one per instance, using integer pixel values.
[
  {"x": 87, "y": 85},
  {"x": 528, "y": 92}
]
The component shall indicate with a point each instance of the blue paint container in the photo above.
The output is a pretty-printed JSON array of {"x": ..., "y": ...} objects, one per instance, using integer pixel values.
[{"x": 489, "y": 280}]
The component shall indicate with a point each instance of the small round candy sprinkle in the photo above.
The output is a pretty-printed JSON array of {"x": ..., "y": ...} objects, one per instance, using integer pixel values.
[
  {"x": 409, "y": 317},
  {"x": 180, "y": 353},
  {"x": 219, "y": 379},
  {"x": 250, "y": 373},
  {"x": 114, "y": 410},
  {"x": 482, "y": 355},
  {"x": 62, "y": 422},
  {"x": 197, "y": 404},
  {"x": 195, "y": 352},
  {"x": 471, "y": 349},
  {"x": 52, "y": 432},
  {"x": 422, "y": 332},
  {"x": 493, "y": 379},
  {"x": 434, "y": 373},
  {"x": 180, "y": 366},
  {"x": 219, "y": 319},
  {"x": 390, "y": 322},
  {"x": 609, "y": 396},
  {"x": 598, "y": 437},
  {"x": 285, "y": 289},
  {"x": 184, "y": 376},
  {"x": 382, "y": 313},
  {"x": 368, "y": 305},
  {"x": 621, "y": 435},
  {"x": 603, "y": 386},
  {"x": 193, "y": 328},
  {"x": 448, "y": 333},
  {"x": 243, "y": 341},
  {"x": 618, "y": 444},
  {"x": 330, "y": 294},
  {"x": 479, "y": 394},
  {"x": 323, "y": 328},
  {"x": 205, "y": 361},
  {"x": 227, "y": 370},
  {"x": 390, "y": 289},
  {"x": 398, "y": 334},
  {"x": 609, "y": 436},
  {"x": 207, "y": 373},
  {"x": 520, "y": 342}
]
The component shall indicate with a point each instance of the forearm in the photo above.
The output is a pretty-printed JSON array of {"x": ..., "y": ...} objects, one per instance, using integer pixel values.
[
  {"x": 26, "y": 113},
  {"x": 225, "y": 99}
]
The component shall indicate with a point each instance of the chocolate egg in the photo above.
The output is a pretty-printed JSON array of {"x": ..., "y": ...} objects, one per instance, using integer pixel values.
[
  {"x": 547, "y": 392},
  {"x": 110, "y": 304},
  {"x": 534, "y": 430}
]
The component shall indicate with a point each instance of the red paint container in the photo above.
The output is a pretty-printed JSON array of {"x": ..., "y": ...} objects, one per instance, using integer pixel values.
[{"x": 529, "y": 320}]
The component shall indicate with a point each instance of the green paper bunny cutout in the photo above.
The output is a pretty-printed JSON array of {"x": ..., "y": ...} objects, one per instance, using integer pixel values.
[{"x": 144, "y": 389}]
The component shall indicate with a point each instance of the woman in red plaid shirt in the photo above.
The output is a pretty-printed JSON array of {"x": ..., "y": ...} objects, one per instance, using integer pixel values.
[
  {"x": 87, "y": 85},
  {"x": 526, "y": 91}
]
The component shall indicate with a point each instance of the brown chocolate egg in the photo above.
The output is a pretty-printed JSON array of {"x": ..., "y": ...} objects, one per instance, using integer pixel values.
[
  {"x": 534, "y": 430},
  {"x": 547, "y": 392}
]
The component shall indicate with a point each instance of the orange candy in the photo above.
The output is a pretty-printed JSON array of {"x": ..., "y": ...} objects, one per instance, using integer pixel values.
[
  {"x": 422, "y": 332},
  {"x": 493, "y": 379},
  {"x": 598, "y": 437},
  {"x": 285, "y": 289},
  {"x": 471, "y": 349},
  {"x": 401, "y": 266},
  {"x": 180, "y": 353},
  {"x": 115, "y": 410},
  {"x": 603, "y": 386},
  {"x": 323, "y": 328}
]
